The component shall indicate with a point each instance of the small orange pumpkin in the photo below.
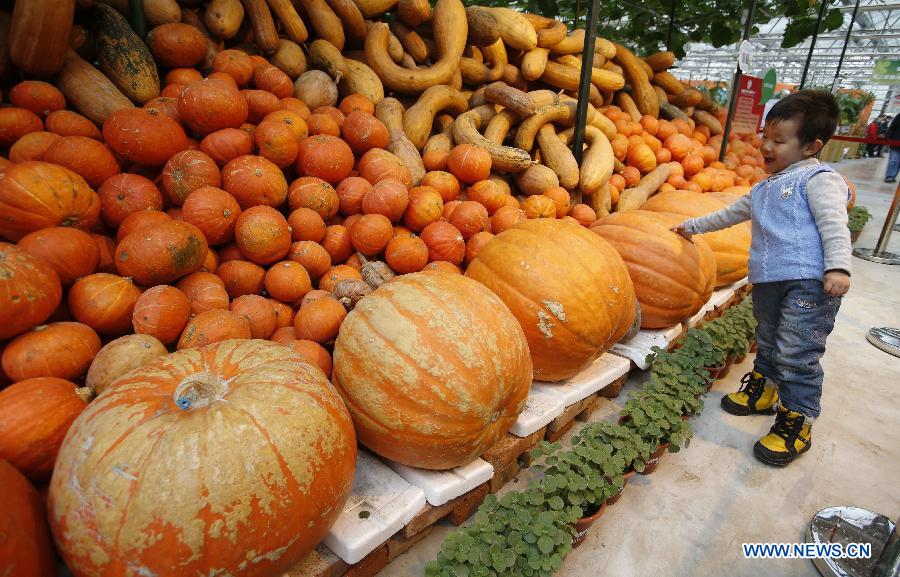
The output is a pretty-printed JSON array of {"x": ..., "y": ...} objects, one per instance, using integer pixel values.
[
  {"x": 313, "y": 256},
  {"x": 406, "y": 254},
  {"x": 162, "y": 312},
  {"x": 104, "y": 302},
  {"x": 262, "y": 234},
  {"x": 259, "y": 312},
  {"x": 187, "y": 171},
  {"x": 319, "y": 320},
  {"x": 214, "y": 326},
  {"x": 63, "y": 350}
]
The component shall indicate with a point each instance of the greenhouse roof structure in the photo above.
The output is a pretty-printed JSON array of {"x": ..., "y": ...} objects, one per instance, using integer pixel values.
[{"x": 875, "y": 36}]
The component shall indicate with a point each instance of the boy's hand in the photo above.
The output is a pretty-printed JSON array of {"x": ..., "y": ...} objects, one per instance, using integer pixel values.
[
  {"x": 682, "y": 231},
  {"x": 837, "y": 283}
]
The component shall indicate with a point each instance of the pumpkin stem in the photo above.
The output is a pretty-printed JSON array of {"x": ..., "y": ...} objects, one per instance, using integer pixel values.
[
  {"x": 85, "y": 394},
  {"x": 197, "y": 391}
]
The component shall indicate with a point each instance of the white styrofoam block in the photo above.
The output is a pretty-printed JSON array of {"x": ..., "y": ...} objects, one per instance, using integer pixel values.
[
  {"x": 741, "y": 283},
  {"x": 639, "y": 347},
  {"x": 441, "y": 486},
  {"x": 692, "y": 322},
  {"x": 721, "y": 296},
  {"x": 602, "y": 372},
  {"x": 380, "y": 504},
  {"x": 540, "y": 408}
]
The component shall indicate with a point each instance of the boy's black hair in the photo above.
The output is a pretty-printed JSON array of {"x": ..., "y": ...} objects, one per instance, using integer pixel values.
[{"x": 817, "y": 111}]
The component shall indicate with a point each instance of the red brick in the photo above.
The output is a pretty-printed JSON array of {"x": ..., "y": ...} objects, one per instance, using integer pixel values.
[
  {"x": 398, "y": 544},
  {"x": 322, "y": 562},
  {"x": 559, "y": 433},
  {"x": 568, "y": 415},
  {"x": 612, "y": 390},
  {"x": 505, "y": 476},
  {"x": 429, "y": 515},
  {"x": 371, "y": 564},
  {"x": 469, "y": 503},
  {"x": 509, "y": 447}
]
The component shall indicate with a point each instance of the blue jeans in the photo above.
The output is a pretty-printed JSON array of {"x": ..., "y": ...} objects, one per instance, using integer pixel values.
[
  {"x": 793, "y": 318},
  {"x": 893, "y": 163}
]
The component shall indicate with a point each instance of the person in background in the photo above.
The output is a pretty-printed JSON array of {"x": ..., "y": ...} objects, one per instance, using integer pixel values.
[
  {"x": 871, "y": 136},
  {"x": 883, "y": 122},
  {"x": 799, "y": 266},
  {"x": 893, "y": 133}
]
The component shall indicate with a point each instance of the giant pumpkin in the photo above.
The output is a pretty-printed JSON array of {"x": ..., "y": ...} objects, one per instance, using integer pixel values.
[
  {"x": 36, "y": 415},
  {"x": 433, "y": 368},
  {"x": 568, "y": 288},
  {"x": 673, "y": 277},
  {"x": 231, "y": 459},
  {"x": 36, "y": 195},
  {"x": 29, "y": 290},
  {"x": 731, "y": 246},
  {"x": 25, "y": 549}
]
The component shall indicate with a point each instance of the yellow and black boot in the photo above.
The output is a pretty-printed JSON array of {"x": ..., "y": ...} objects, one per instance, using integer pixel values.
[
  {"x": 757, "y": 396},
  {"x": 790, "y": 436}
]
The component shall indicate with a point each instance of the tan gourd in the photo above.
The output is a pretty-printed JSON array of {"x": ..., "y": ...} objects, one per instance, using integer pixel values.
[
  {"x": 536, "y": 180},
  {"x": 351, "y": 17},
  {"x": 484, "y": 29},
  {"x": 557, "y": 156},
  {"x": 88, "y": 91},
  {"x": 450, "y": 36},
  {"x": 515, "y": 30},
  {"x": 265, "y": 36},
  {"x": 374, "y": 8},
  {"x": 223, "y": 18},
  {"x": 643, "y": 94},
  {"x": 511, "y": 98},
  {"x": 414, "y": 12},
  {"x": 549, "y": 31},
  {"x": 563, "y": 112},
  {"x": 325, "y": 56},
  {"x": 419, "y": 118},
  {"x": 476, "y": 73},
  {"x": 411, "y": 41},
  {"x": 506, "y": 158},
  {"x": 661, "y": 61},
  {"x": 390, "y": 112},
  {"x": 634, "y": 198},
  {"x": 627, "y": 104},
  {"x": 360, "y": 79},
  {"x": 324, "y": 21},
  {"x": 533, "y": 63}
]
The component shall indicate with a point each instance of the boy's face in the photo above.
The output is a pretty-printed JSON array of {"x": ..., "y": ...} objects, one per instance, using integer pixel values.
[{"x": 781, "y": 146}]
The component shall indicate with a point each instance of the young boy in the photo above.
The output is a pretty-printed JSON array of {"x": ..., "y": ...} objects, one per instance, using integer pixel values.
[{"x": 799, "y": 267}]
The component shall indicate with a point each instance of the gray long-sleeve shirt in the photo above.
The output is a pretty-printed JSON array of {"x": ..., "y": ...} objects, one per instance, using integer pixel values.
[{"x": 827, "y": 199}]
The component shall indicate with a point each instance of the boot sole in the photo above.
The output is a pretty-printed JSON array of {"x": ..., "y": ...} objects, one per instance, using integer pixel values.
[
  {"x": 776, "y": 459},
  {"x": 730, "y": 406}
]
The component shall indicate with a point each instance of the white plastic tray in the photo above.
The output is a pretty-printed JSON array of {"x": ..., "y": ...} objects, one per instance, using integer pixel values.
[
  {"x": 380, "y": 504},
  {"x": 442, "y": 486},
  {"x": 639, "y": 347},
  {"x": 594, "y": 377},
  {"x": 540, "y": 408},
  {"x": 721, "y": 296}
]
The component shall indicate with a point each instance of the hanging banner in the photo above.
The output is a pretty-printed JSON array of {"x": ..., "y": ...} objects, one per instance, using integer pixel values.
[
  {"x": 886, "y": 72},
  {"x": 748, "y": 111}
]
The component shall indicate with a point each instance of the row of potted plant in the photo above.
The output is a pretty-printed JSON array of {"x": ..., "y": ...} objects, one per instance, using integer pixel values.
[{"x": 529, "y": 533}]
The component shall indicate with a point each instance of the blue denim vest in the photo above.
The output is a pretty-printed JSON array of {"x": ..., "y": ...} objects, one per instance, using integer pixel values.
[{"x": 786, "y": 243}]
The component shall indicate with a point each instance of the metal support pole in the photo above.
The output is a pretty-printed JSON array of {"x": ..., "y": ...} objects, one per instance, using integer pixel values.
[
  {"x": 136, "y": 17},
  {"x": 577, "y": 13},
  {"x": 735, "y": 84},
  {"x": 812, "y": 43},
  {"x": 837, "y": 73},
  {"x": 672, "y": 25},
  {"x": 584, "y": 83},
  {"x": 880, "y": 253}
]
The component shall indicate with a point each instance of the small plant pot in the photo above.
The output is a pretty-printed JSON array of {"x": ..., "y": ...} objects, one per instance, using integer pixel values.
[
  {"x": 729, "y": 362},
  {"x": 753, "y": 347},
  {"x": 854, "y": 235},
  {"x": 583, "y": 526},
  {"x": 714, "y": 373},
  {"x": 614, "y": 498},
  {"x": 655, "y": 457},
  {"x": 740, "y": 359}
]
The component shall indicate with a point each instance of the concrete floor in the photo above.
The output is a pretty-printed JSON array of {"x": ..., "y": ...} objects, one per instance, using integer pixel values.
[{"x": 690, "y": 517}]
